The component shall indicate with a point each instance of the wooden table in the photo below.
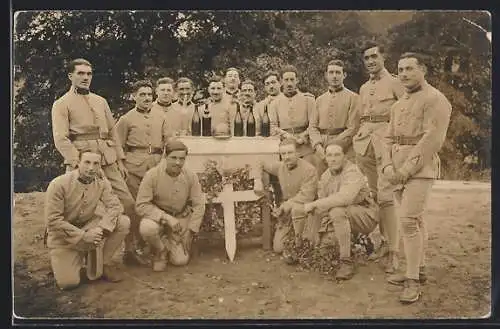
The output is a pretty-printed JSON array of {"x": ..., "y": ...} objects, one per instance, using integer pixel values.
[{"x": 232, "y": 153}]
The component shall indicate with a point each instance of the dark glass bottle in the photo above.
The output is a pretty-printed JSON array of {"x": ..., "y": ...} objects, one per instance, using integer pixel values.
[
  {"x": 196, "y": 123},
  {"x": 265, "y": 126},
  {"x": 251, "y": 124},
  {"x": 238, "y": 122},
  {"x": 207, "y": 122}
]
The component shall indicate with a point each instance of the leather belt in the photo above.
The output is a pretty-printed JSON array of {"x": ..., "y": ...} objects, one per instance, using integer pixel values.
[
  {"x": 87, "y": 136},
  {"x": 334, "y": 131},
  {"x": 145, "y": 149},
  {"x": 375, "y": 118},
  {"x": 183, "y": 213},
  {"x": 406, "y": 140},
  {"x": 296, "y": 130}
]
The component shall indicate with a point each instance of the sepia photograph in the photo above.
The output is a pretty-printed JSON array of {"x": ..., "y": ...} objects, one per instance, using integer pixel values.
[{"x": 282, "y": 164}]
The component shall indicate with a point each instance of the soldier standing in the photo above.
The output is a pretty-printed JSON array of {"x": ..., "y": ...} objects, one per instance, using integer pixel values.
[
  {"x": 218, "y": 109},
  {"x": 184, "y": 106},
  {"x": 291, "y": 115},
  {"x": 416, "y": 133},
  {"x": 336, "y": 118},
  {"x": 82, "y": 119},
  {"x": 272, "y": 87},
  {"x": 231, "y": 85},
  {"x": 164, "y": 104},
  {"x": 247, "y": 107},
  {"x": 377, "y": 96}
]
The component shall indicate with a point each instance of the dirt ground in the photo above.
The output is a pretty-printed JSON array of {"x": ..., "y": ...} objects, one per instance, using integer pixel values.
[{"x": 259, "y": 285}]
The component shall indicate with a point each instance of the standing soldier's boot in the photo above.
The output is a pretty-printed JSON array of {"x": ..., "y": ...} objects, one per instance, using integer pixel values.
[
  {"x": 411, "y": 292},
  {"x": 398, "y": 279},
  {"x": 346, "y": 270}
]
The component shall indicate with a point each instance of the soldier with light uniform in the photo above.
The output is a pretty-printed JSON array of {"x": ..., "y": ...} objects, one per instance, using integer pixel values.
[
  {"x": 82, "y": 214},
  {"x": 172, "y": 205},
  {"x": 232, "y": 85},
  {"x": 272, "y": 87},
  {"x": 291, "y": 115},
  {"x": 299, "y": 182},
  {"x": 336, "y": 117},
  {"x": 82, "y": 119},
  {"x": 184, "y": 106},
  {"x": 164, "y": 104},
  {"x": 377, "y": 96},
  {"x": 220, "y": 110},
  {"x": 416, "y": 133},
  {"x": 344, "y": 206}
]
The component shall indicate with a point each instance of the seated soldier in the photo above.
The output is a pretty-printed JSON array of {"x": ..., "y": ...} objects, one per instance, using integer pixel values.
[
  {"x": 171, "y": 204},
  {"x": 298, "y": 180},
  {"x": 82, "y": 214},
  {"x": 344, "y": 205}
]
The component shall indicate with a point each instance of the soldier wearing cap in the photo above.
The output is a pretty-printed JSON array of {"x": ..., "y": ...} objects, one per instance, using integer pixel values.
[
  {"x": 82, "y": 214},
  {"x": 291, "y": 115},
  {"x": 416, "y": 133},
  {"x": 344, "y": 206},
  {"x": 82, "y": 119},
  {"x": 231, "y": 85},
  {"x": 336, "y": 118},
  {"x": 298, "y": 180},
  {"x": 184, "y": 106},
  {"x": 172, "y": 205},
  {"x": 377, "y": 96}
]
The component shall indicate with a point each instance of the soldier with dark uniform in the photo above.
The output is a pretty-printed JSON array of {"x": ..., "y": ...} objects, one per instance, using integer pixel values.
[
  {"x": 377, "y": 96},
  {"x": 336, "y": 118},
  {"x": 416, "y": 133},
  {"x": 291, "y": 115},
  {"x": 82, "y": 119},
  {"x": 184, "y": 106}
]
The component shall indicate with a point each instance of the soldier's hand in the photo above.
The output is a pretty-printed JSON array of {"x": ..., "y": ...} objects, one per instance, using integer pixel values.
[
  {"x": 258, "y": 187},
  {"x": 320, "y": 151},
  {"x": 174, "y": 224},
  {"x": 400, "y": 178},
  {"x": 286, "y": 206},
  {"x": 187, "y": 240},
  {"x": 123, "y": 170},
  {"x": 277, "y": 212},
  {"x": 93, "y": 236},
  {"x": 309, "y": 207},
  {"x": 300, "y": 140}
]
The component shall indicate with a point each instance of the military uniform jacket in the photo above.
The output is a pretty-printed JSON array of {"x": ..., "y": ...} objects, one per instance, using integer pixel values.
[
  {"x": 74, "y": 114},
  {"x": 71, "y": 204},
  {"x": 335, "y": 110},
  {"x": 160, "y": 193},
  {"x": 377, "y": 95},
  {"x": 422, "y": 115},
  {"x": 142, "y": 129}
]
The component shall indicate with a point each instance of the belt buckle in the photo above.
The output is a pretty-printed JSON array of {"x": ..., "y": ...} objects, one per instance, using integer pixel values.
[
  {"x": 150, "y": 150},
  {"x": 397, "y": 139}
]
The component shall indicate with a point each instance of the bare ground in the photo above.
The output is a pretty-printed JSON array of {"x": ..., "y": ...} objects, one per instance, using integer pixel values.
[{"x": 259, "y": 285}]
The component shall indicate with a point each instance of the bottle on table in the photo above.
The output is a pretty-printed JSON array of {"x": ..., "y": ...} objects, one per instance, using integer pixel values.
[
  {"x": 238, "y": 122},
  {"x": 265, "y": 125},
  {"x": 251, "y": 124},
  {"x": 206, "y": 122},
  {"x": 196, "y": 123}
]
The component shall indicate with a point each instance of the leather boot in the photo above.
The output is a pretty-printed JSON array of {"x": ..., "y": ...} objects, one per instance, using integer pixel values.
[
  {"x": 398, "y": 279},
  {"x": 346, "y": 270},
  {"x": 111, "y": 274},
  {"x": 411, "y": 293}
]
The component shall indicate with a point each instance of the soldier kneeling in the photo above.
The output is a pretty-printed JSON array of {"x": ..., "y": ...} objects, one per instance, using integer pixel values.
[{"x": 344, "y": 206}]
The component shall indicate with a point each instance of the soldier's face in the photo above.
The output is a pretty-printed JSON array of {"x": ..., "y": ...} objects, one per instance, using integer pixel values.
[
  {"x": 143, "y": 98},
  {"x": 334, "y": 157},
  {"x": 410, "y": 72},
  {"x": 215, "y": 90},
  {"x": 272, "y": 85},
  {"x": 232, "y": 80},
  {"x": 89, "y": 165},
  {"x": 290, "y": 82},
  {"x": 81, "y": 77},
  {"x": 175, "y": 161},
  {"x": 373, "y": 59},
  {"x": 185, "y": 91},
  {"x": 335, "y": 75},
  {"x": 289, "y": 155},
  {"x": 247, "y": 93},
  {"x": 165, "y": 93}
]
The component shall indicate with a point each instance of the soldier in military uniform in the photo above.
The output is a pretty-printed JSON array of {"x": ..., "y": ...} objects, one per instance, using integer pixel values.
[
  {"x": 377, "y": 95},
  {"x": 232, "y": 85},
  {"x": 247, "y": 103},
  {"x": 82, "y": 119},
  {"x": 184, "y": 106},
  {"x": 336, "y": 117},
  {"x": 272, "y": 87},
  {"x": 165, "y": 91},
  {"x": 220, "y": 110},
  {"x": 344, "y": 205},
  {"x": 416, "y": 132},
  {"x": 291, "y": 115}
]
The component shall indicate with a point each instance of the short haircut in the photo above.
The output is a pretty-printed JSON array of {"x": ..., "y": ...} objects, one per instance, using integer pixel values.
[
  {"x": 289, "y": 68},
  {"x": 141, "y": 83},
  {"x": 87, "y": 150},
  {"x": 270, "y": 74},
  {"x": 288, "y": 141},
  {"x": 248, "y": 82},
  {"x": 165, "y": 80},
  {"x": 421, "y": 59},
  {"x": 336, "y": 62},
  {"x": 183, "y": 80},
  {"x": 215, "y": 78},
  {"x": 373, "y": 44},
  {"x": 336, "y": 144},
  {"x": 175, "y": 145},
  {"x": 79, "y": 61},
  {"x": 232, "y": 69}
]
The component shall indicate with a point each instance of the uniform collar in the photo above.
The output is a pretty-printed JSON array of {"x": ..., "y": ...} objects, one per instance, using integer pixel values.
[
  {"x": 382, "y": 73},
  {"x": 293, "y": 94},
  {"x": 417, "y": 88},
  {"x": 142, "y": 111},
  {"x": 234, "y": 93},
  {"x": 163, "y": 104},
  {"x": 336, "y": 90},
  {"x": 79, "y": 91}
]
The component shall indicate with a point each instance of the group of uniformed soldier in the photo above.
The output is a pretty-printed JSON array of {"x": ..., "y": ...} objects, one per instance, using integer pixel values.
[{"x": 346, "y": 159}]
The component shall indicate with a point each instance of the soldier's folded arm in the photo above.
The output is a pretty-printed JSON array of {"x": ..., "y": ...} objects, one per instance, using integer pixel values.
[
  {"x": 112, "y": 130},
  {"x": 197, "y": 199},
  {"x": 311, "y": 109},
  {"x": 345, "y": 137},
  {"x": 122, "y": 129},
  {"x": 274, "y": 121},
  {"x": 435, "y": 124},
  {"x": 54, "y": 215},
  {"x": 308, "y": 189},
  {"x": 60, "y": 132},
  {"x": 113, "y": 207},
  {"x": 352, "y": 184},
  {"x": 144, "y": 205},
  {"x": 313, "y": 128}
]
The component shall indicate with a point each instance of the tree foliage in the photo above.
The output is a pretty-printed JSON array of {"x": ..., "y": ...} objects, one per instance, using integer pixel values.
[{"x": 127, "y": 45}]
